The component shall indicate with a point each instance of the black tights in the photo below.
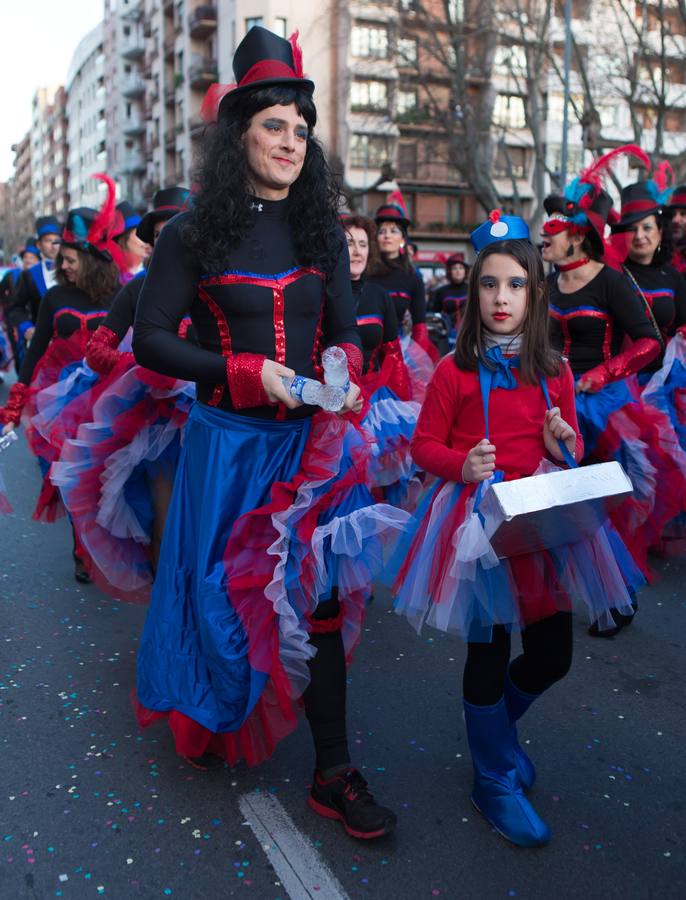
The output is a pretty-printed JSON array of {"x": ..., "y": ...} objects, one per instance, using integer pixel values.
[
  {"x": 325, "y": 694},
  {"x": 547, "y": 656}
]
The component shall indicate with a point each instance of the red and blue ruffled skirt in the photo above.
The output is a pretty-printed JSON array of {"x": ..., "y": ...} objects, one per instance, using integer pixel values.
[
  {"x": 106, "y": 472},
  {"x": 445, "y": 573},
  {"x": 616, "y": 425},
  {"x": 391, "y": 422},
  {"x": 267, "y": 519},
  {"x": 664, "y": 393}
]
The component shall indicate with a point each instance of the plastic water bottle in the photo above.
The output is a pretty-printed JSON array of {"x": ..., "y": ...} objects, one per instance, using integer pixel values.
[
  {"x": 335, "y": 364},
  {"x": 6, "y": 440},
  {"x": 314, "y": 393}
]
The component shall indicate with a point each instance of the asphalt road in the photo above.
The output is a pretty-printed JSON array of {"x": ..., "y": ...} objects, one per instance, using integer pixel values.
[{"x": 90, "y": 806}]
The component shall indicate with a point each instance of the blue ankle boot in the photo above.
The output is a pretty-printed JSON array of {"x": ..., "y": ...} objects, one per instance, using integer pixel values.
[
  {"x": 517, "y": 703},
  {"x": 497, "y": 793}
]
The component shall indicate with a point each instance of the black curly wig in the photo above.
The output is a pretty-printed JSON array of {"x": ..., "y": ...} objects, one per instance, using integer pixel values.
[{"x": 221, "y": 215}]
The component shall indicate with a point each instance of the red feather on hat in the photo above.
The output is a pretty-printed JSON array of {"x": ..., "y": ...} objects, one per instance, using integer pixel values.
[
  {"x": 103, "y": 224},
  {"x": 297, "y": 54},
  {"x": 397, "y": 197}
]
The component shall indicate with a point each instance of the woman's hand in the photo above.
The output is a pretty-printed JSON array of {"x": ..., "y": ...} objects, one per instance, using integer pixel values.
[
  {"x": 272, "y": 373},
  {"x": 556, "y": 429},
  {"x": 480, "y": 463},
  {"x": 7, "y": 428},
  {"x": 353, "y": 400}
]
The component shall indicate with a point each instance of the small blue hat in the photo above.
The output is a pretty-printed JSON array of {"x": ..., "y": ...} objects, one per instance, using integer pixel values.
[
  {"x": 47, "y": 225},
  {"x": 499, "y": 228}
]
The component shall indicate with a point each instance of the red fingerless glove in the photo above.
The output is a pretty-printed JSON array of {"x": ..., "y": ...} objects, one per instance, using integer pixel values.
[
  {"x": 420, "y": 334},
  {"x": 355, "y": 362},
  {"x": 244, "y": 377},
  {"x": 682, "y": 331},
  {"x": 641, "y": 352},
  {"x": 101, "y": 351},
  {"x": 11, "y": 412},
  {"x": 394, "y": 374}
]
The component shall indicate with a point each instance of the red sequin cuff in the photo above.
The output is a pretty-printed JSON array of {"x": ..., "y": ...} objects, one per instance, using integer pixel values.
[
  {"x": 101, "y": 351},
  {"x": 420, "y": 334},
  {"x": 355, "y": 362},
  {"x": 11, "y": 412},
  {"x": 244, "y": 377},
  {"x": 639, "y": 355},
  {"x": 394, "y": 372}
]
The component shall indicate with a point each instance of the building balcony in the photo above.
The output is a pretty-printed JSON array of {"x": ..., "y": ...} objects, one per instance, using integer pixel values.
[
  {"x": 170, "y": 97},
  {"x": 170, "y": 138},
  {"x": 168, "y": 8},
  {"x": 202, "y": 73},
  {"x": 133, "y": 86},
  {"x": 202, "y": 21},
  {"x": 133, "y": 46},
  {"x": 134, "y": 126},
  {"x": 132, "y": 163},
  {"x": 169, "y": 47}
]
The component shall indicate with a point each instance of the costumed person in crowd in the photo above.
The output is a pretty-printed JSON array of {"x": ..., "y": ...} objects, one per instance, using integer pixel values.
[
  {"x": 87, "y": 279},
  {"x": 450, "y": 298},
  {"x": 268, "y": 547},
  {"x": 676, "y": 210},
  {"x": 29, "y": 256},
  {"x": 396, "y": 275},
  {"x": 126, "y": 236},
  {"x": 32, "y": 284},
  {"x": 644, "y": 223},
  {"x": 593, "y": 309},
  {"x": 391, "y": 419},
  {"x": 115, "y": 477},
  {"x": 501, "y": 407}
]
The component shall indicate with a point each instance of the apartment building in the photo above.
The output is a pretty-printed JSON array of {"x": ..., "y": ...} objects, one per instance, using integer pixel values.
[{"x": 48, "y": 147}]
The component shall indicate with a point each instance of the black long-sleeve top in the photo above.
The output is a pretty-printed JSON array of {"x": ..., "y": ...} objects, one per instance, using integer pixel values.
[
  {"x": 62, "y": 312},
  {"x": 406, "y": 289},
  {"x": 377, "y": 323},
  {"x": 264, "y": 304},
  {"x": 589, "y": 325},
  {"x": 123, "y": 310},
  {"x": 449, "y": 299},
  {"x": 665, "y": 290}
]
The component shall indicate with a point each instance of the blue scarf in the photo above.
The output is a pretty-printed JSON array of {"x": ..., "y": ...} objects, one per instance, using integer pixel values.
[{"x": 503, "y": 376}]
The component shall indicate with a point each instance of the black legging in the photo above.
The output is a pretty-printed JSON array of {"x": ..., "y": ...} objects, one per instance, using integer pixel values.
[
  {"x": 325, "y": 694},
  {"x": 547, "y": 656}
]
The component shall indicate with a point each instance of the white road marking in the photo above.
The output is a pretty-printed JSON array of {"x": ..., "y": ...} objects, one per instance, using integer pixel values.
[{"x": 301, "y": 870}]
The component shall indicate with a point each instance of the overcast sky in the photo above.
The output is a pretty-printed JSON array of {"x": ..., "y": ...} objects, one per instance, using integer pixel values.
[{"x": 38, "y": 39}]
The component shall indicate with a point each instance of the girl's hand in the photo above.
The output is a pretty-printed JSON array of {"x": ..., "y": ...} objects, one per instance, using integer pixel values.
[
  {"x": 272, "y": 373},
  {"x": 353, "y": 400},
  {"x": 7, "y": 428},
  {"x": 480, "y": 462},
  {"x": 556, "y": 429}
]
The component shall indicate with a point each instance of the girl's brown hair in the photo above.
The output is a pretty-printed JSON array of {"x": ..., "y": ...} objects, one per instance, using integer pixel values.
[
  {"x": 537, "y": 356},
  {"x": 385, "y": 263},
  {"x": 368, "y": 226},
  {"x": 96, "y": 278}
]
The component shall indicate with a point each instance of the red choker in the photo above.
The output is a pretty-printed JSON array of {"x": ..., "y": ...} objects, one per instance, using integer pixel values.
[{"x": 567, "y": 267}]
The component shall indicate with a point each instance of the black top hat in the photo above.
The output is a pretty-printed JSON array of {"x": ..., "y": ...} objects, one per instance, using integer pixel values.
[
  {"x": 592, "y": 209},
  {"x": 455, "y": 258},
  {"x": 392, "y": 212},
  {"x": 638, "y": 200},
  {"x": 79, "y": 224},
  {"x": 47, "y": 225},
  {"x": 262, "y": 59},
  {"x": 678, "y": 198},
  {"x": 127, "y": 219},
  {"x": 165, "y": 204}
]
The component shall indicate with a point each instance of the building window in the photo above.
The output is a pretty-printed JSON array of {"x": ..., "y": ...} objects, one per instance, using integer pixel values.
[
  {"x": 368, "y": 95},
  {"x": 406, "y": 102},
  {"x": 368, "y": 151},
  {"x": 369, "y": 42},
  {"x": 252, "y": 22},
  {"x": 407, "y": 52},
  {"x": 510, "y": 162},
  {"x": 508, "y": 111},
  {"x": 407, "y": 160},
  {"x": 280, "y": 26}
]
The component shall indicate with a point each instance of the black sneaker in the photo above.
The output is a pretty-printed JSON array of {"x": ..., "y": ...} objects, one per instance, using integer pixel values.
[{"x": 345, "y": 797}]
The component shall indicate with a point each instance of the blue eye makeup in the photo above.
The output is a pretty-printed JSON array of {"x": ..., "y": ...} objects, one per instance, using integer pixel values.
[{"x": 518, "y": 282}]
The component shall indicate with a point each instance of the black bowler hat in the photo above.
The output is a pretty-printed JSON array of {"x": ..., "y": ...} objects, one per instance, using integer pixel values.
[
  {"x": 678, "y": 199},
  {"x": 127, "y": 218},
  {"x": 165, "y": 204},
  {"x": 47, "y": 225},
  {"x": 262, "y": 59}
]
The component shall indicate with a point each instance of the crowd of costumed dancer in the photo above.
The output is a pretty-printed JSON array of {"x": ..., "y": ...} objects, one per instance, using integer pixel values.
[{"x": 165, "y": 407}]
